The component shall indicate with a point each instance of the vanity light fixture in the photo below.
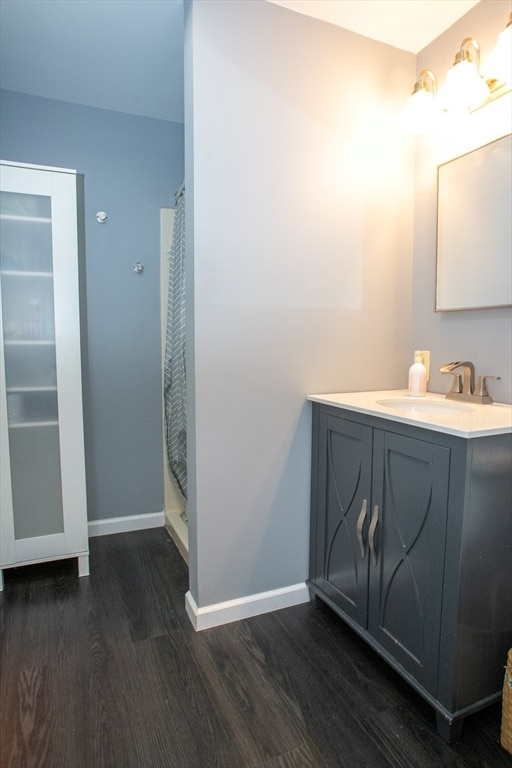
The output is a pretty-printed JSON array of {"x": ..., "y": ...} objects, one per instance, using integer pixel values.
[
  {"x": 421, "y": 111},
  {"x": 464, "y": 88},
  {"x": 498, "y": 67}
]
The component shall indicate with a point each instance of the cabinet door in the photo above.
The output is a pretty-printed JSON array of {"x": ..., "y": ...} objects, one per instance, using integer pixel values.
[
  {"x": 42, "y": 467},
  {"x": 345, "y": 455},
  {"x": 410, "y": 498}
]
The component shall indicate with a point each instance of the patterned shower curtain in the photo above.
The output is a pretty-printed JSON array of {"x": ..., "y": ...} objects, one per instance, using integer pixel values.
[{"x": 174, "y": 361}]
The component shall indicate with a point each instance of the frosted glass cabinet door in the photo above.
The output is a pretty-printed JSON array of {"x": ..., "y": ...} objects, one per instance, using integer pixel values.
[{"x": 43, "y": 504}]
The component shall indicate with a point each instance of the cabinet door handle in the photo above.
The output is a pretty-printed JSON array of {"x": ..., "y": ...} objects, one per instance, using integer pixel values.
[
  {"x": 371, "y": 534},
  {"x": 359, "y": 527}
]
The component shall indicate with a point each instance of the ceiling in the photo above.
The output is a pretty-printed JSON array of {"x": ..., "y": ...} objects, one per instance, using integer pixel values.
[
  {"x": 127, "y": 55},
  {"x": 409, "y": 26}
]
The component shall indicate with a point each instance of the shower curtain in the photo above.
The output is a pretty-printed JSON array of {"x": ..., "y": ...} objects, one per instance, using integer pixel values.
[{"x": 174, "y": 360}]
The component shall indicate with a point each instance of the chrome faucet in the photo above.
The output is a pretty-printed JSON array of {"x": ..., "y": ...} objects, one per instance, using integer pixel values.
[{"x": 463, "y": 386}]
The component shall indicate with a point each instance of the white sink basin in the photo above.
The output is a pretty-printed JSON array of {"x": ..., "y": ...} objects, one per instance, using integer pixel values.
[{"x": 419, "y": 404}]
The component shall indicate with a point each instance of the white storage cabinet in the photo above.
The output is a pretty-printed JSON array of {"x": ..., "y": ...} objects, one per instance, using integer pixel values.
[{"x": 43, "y": 512}]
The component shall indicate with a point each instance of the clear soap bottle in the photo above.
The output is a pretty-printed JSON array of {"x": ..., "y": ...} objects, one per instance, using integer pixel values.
[{"x": 417, "y": 377}]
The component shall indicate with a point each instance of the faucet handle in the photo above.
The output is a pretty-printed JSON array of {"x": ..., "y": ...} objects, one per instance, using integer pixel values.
[
  {"x": 457, "y": 382},
  {"x": 481, "y": 385}
]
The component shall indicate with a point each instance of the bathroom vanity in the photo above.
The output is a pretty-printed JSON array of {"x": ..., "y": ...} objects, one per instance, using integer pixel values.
[{"x": 411, "y": 538}]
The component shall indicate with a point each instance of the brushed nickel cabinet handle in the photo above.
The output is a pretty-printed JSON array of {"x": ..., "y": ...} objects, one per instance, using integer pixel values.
[
  {"x": 359, "y": 527},
  {"x": 371, "y": 534}
]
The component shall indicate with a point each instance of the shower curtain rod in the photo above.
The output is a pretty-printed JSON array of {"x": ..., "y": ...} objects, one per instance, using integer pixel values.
[{"x": 180, "y": 191}]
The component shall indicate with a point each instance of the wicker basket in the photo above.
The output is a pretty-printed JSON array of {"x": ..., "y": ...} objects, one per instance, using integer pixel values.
[{"x": 506, "y": 718}]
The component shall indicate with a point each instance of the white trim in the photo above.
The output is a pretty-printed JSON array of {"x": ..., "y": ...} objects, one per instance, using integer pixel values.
[
  {"x": 244, "y": 607},
  {"x": 40, "y": 547},
  {"x": 38, "y": 167},
  {"x": 126, "y": 523}
]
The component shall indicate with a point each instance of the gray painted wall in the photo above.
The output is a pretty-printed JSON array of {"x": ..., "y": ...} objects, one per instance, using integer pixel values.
[
  {"x": 483, "y": 336},
  {"x": 132, "y": 167},
  {"x": 301, "y": 191}
]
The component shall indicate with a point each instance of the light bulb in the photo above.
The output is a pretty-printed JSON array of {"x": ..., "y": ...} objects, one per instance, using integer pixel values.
[
  {"x": 420, "y": 113},
  {"x": 463, "y": 89},
  {"x": 499, "y": 64}
]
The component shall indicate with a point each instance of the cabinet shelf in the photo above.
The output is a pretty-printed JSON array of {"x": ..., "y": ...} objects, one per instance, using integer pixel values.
[
  {"x": 32, "y": 424},
  {"x": 24, "y": 273},
  {"x": 29, "y": 219},
  {"x": 29, "y": 342},
  {"x": 22, "y": 390}
]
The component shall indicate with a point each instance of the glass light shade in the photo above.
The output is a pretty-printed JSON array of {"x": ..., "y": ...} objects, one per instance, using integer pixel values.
[
  {"x": 420, "y": 113},
  {"x": 464, "y": 89},
  {"x": 499, "y": 64}
]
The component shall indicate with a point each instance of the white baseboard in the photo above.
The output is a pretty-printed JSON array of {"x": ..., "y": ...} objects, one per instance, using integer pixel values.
[
  {"x": 244, "y": 607},
  {"x": 127, "y": 523}
]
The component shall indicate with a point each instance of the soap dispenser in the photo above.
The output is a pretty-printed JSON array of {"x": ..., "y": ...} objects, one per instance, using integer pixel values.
[{"x": 417, "y": 377}]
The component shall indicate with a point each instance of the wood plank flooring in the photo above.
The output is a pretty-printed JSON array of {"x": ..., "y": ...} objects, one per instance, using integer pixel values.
[{"x": 107, "y": 672}]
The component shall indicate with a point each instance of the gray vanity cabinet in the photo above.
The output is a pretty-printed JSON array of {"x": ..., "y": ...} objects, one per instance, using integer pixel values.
[
  {"x": 411, "y": 544},
  {"x": 378, "y": 573},
  {"x": 343, "y": 473},
  {"x": 410, "y": 492}
]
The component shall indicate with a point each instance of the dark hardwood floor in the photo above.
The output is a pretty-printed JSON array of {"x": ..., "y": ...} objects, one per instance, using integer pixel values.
[{"x": 107, "y": 671}]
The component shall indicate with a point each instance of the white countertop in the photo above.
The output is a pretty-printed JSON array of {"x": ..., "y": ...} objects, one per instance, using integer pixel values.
[{"x": 472, "y": 420}]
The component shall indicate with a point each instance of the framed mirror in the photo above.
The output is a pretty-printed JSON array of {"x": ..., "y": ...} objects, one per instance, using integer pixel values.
[{"x": 474, "y": 229}]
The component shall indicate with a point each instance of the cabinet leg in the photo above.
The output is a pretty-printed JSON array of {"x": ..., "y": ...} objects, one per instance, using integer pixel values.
[
  {"x": 315, "y": 601},
  {"x": 83, "y": 565},
  {"x": 1, "y": 580},
  {"x": 450, "y": 732}
]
